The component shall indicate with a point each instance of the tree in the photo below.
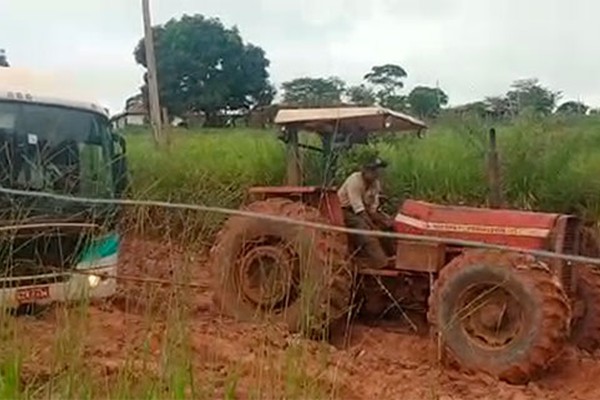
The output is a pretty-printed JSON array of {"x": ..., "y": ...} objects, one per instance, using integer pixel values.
[
  {"x": 427, "y": 102},
  {"x": 573, "y": 108},
  {"x": 3, "y": 60},
  {"x": 395, "y": 102},
  {"x": 361, "y": 95},
  {"x": 388, "y": 77},
  {"x": 204, "y": 66},
  {"x": 476, "y": 108},
  {"x": 528, "y": 94},
  {"x": 498, "y": 107},
  {"x": 313, "y": 92},
  {"x": 388, "y": 80}
]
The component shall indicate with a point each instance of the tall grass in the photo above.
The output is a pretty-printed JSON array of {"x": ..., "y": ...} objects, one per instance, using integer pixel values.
[
  {"x": 213, "y": 168},
  {"x": 547, "y": 165}
]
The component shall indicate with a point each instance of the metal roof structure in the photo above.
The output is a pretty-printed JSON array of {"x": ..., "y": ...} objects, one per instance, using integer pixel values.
[
  {"x": 24, "y": 86},
  {"x": 367, "y": 118}
]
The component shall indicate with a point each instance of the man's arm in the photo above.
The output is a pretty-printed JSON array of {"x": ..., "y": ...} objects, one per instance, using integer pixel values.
[{"x": 380, "y": 219}]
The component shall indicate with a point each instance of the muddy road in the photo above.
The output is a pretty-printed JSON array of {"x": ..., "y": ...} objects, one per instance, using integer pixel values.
[{"x": 376, "y": 361}]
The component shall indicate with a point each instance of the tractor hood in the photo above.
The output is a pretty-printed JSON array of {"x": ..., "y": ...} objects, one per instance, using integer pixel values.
[{"x": 504, "y": 227}]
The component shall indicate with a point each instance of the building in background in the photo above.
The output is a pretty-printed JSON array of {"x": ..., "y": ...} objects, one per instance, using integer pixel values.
[{"x": 135, "y": 114}]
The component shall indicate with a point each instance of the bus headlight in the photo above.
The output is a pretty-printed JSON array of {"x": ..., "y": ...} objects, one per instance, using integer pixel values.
[{"x": 93, "y": 280}]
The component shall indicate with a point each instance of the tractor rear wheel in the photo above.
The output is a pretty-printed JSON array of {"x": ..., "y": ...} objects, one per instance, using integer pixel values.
[
  {"x": 503, "y": 314},
  {"x": 284, "y": 272}
]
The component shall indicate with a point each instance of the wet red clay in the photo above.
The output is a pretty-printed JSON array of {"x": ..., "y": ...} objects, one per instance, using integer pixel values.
[{"x": 382, "y": 361}]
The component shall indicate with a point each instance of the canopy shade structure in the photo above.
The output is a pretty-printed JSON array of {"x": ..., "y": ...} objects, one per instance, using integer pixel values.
[
  {"x": 339, "y": 129},
  {"x": 348, "y": 119}
]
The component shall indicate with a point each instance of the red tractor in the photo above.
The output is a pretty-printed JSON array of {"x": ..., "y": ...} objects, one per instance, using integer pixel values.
[{"x": 506, "y": 314}]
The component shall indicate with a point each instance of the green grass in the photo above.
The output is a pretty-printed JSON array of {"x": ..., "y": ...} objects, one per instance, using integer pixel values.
[
  {"x": 212, "y": 168},
  {"x": 548, "y": 165}
]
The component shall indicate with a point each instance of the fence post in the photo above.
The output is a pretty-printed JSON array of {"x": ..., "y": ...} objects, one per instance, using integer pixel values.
[{"x": 494, "y": 174}]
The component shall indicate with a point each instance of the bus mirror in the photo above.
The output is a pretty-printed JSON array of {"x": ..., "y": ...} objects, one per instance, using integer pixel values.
[
  {"x": 120, "y": 141},
  {"x": 120, "y": 169}
]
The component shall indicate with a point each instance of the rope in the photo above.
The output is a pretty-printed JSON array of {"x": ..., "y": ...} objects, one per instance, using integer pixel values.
[
  {"x": 319, "y": 226},
  {"x": 132, "y": 278}
]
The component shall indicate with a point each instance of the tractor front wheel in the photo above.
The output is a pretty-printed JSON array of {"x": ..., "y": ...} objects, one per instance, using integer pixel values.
[
  {"x": 264, "y": 269},
  {"x": 503, "y": 314}
]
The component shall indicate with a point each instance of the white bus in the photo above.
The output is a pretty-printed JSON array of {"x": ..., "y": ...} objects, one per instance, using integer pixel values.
[{"x": 53, "y": 149}]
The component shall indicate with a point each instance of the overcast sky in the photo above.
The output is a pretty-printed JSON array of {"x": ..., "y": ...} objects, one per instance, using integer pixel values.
[{"x": 473, "y": 48}]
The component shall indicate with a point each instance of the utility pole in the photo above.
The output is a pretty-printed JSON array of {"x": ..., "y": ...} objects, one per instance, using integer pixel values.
[{"x": 153, "y": 99}]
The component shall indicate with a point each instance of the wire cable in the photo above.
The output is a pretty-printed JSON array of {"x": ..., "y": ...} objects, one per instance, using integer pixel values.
[{"x": 308, "y": 224}]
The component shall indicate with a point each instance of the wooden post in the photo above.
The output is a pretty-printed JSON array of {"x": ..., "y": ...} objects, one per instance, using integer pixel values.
[
  {"x": 166, "y": 126},
  {"x": 153, "y": 99},
  {"x": 294, "y": 171},
  {"x": 494, "y": 175}
]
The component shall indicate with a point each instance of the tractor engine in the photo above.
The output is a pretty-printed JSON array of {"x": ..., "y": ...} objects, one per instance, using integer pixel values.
[{"x": 522, "y": 229}]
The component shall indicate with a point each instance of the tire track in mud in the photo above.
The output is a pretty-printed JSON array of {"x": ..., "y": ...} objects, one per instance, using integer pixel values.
[{"x": 382, "y": 361}]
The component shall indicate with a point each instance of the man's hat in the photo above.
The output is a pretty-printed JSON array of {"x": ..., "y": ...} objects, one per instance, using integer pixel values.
[{"x": 376, "y": 163}]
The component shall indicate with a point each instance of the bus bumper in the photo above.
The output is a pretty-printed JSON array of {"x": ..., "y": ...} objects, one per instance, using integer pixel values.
[{"x": 83, "y": 285}]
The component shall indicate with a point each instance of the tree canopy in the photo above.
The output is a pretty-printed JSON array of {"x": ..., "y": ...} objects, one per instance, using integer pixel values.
[
  {"x": 204, "y": 66},
  {"x": 388, "y": 80},
  {"x": 427, "y": 102},
  {"x": 528, "y": 94},
  {"x": 388, "y": 77},
  {"x": 572, "y": 108},
  {"x": 313, "y": 92},
  {"x": 525, "y": 95},
  {"x": 381, "y": 86},
  {"x": 361, "y": 95}
]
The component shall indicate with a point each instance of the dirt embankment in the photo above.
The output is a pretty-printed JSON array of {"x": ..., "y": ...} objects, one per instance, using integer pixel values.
[{"x": 381, "y": 361}]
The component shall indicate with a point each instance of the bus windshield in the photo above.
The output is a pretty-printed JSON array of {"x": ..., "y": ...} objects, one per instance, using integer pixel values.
[{"x": 55, "y": 149}]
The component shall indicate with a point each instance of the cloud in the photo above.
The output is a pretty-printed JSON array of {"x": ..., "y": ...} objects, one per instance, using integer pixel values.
[{"x": 472, "y": 48}]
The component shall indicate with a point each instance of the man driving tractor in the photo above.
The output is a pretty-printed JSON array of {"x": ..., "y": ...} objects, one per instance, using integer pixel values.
[
  {"x": 359, "y": 198},
  {"x": 522, "y": 309}
]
